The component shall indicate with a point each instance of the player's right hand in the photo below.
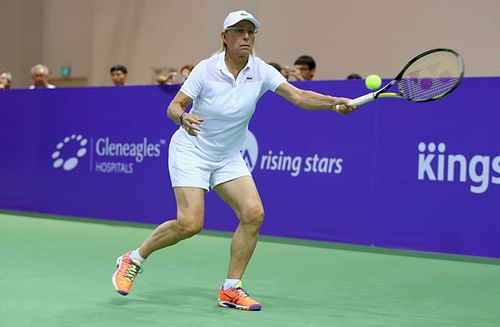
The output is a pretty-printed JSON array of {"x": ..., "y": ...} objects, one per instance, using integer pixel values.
[
  {"x": 342, "y": 106},
  {"x": 191, "y": 124}
]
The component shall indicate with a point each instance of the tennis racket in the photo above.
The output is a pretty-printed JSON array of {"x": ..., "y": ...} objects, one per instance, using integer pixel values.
[{"x": 429, "y": 76}]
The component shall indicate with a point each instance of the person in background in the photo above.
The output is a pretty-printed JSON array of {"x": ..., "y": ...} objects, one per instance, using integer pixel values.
[
  {"x": 40, "y": 76},
  {"x": 303, "y": 69},
  {"x": 354, "y": 76},
  {"x": 204, "y": 153},
  {"x": 173, "y": 77},
  {"x": 179, "y": 78},
  {"x": 186, "y": 70},
  {"x": 5, "y": 80},
  {"x": 119, "y": 75}
]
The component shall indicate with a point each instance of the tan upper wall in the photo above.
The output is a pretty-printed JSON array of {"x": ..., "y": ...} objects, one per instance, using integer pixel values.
[{"x": 344, "y": 36}]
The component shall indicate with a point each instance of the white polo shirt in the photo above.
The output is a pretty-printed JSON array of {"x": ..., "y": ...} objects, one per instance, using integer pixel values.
[{"x": 226, "y": 105}]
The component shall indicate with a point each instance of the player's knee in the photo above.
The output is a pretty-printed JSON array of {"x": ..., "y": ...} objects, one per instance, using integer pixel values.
[
  {"x": 189, "y": 228},
  {"x": 252, "y": 215}
]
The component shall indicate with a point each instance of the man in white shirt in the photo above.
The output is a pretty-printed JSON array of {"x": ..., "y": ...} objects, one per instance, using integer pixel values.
[
  {"x": 40, "y": 76},
  {"x": 205, "y": 153}
]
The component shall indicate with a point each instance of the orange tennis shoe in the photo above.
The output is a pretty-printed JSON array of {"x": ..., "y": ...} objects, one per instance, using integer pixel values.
[
  {"x": 237, "y": 298},
  {"x": 126, "y": 271}
]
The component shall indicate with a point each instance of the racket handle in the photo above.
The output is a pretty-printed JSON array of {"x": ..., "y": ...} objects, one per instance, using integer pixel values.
[{"x": 360, "y": 100}]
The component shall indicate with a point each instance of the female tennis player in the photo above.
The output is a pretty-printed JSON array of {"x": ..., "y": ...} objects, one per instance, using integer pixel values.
[{"x": 205, "y": 152}]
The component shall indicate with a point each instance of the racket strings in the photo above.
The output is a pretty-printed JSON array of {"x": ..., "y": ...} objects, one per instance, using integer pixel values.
[
  {"x": 431, "y": 76},
  {"x": 423, "y": 89}
]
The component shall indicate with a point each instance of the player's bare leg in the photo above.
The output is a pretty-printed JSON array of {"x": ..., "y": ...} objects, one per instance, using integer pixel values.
[
  {"x": 190, "y": 208},
  {"x": 242, "y": 196},
  {"x": 189, "y": 222}
]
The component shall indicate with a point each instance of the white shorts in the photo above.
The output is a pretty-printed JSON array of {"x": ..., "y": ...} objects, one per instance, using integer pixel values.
[{"x": 189, "y": 167}]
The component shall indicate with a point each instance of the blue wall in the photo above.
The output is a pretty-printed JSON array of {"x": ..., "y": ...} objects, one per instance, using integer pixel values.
[{"x": 393, "y": 174}]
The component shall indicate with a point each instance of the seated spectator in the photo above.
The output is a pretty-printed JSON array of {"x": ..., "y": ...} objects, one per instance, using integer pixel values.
[
  {"x": 304, "y": 68},
  {"x": 119, "y": 75},
  {"x": 169, "y": 76},
  {"x": 354, "y": 76},
  {"x": 5, "y": 80},
  {"x": 40, "y": 76},
  {"x": 185, "y": 71},
  {"x": 172, "y": 77}
]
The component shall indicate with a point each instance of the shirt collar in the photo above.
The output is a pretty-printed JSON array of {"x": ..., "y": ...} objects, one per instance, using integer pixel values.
[{"x": 221, "y": 64}]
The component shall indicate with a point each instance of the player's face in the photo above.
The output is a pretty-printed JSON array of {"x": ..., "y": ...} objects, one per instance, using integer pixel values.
[{"x": 240, "y": 38}]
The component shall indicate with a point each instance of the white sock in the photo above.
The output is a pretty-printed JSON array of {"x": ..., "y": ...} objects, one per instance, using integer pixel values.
[
  {"x": 228, "y": 283},
  {"x": 136, "y": 256}
]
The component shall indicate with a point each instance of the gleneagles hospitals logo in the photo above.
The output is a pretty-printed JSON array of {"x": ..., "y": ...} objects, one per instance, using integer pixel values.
[
  {"x": 69, "y": 151},
  {"x": 106, "y": 155}
]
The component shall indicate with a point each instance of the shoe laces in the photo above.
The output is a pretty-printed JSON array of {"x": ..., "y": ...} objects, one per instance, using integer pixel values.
[
  {"x": 132, "y": 271},
  {"x": 242, "y": 293}
]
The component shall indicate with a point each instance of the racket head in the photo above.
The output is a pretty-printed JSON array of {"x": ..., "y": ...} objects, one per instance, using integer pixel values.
[{"x": 431, "y": 75}]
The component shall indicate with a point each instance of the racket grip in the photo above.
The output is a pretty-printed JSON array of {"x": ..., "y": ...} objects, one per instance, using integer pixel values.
[{"x": 360, "y": 100}]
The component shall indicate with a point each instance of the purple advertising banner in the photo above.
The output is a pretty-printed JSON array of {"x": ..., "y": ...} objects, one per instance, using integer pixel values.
[{"x": 393, "y": 174}]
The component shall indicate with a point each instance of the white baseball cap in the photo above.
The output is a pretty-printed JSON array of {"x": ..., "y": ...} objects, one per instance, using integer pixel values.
[{"x": 237, "y": 16}]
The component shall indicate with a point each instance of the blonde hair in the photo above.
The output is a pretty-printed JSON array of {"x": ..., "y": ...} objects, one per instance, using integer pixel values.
[{"x": 222, "y": 47}]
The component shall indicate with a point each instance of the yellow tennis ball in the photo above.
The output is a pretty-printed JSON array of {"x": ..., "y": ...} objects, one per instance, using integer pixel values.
[{"x": 373, "y": 82}]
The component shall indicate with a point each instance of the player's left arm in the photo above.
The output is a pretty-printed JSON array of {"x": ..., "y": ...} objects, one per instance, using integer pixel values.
[{"x": 311, "y": 100}]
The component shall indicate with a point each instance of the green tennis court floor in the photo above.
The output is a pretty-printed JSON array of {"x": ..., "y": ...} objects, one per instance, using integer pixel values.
[{"x": 57, "y": 272}]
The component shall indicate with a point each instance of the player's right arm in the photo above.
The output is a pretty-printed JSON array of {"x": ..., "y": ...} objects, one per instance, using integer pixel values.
[{"x": 176, "y": 111}]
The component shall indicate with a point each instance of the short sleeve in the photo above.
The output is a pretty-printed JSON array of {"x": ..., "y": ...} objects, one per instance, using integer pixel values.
[
  {"x": 194, "y": 83},
  {"x": 273, "y": 78}
]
